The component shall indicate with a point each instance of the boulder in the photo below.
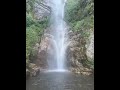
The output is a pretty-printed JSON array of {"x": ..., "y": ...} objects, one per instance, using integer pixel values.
[{"x": 33, "y": 69}]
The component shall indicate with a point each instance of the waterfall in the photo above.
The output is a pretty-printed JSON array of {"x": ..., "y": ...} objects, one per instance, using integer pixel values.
[{"x": 58, "y": 31}]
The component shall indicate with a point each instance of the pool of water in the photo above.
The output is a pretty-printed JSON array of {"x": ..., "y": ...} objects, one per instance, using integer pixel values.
[{"x": 60, "y": 81}]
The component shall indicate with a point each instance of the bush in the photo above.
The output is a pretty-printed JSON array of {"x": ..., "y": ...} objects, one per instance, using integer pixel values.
[
  {"x": 34, "y": 31},
  {"x": 79, "y": 13},
  {"x": 29, "y": 20}
]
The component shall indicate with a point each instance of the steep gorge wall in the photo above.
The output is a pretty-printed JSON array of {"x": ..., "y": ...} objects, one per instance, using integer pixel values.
[{"x": 80, "y": 51}]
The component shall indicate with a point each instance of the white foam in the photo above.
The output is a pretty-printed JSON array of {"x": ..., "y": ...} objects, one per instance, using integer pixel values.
[{"x": 57, "y": 70}]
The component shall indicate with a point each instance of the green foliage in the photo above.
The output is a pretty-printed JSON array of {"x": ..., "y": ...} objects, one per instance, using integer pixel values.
[
  {"x": 31, "y": 38},
  {"x": 30, "y": 5},
  {"x": 79, "y": 14},
  {"x": 80, "y": 17},
  {"x": 29, "y": 20},
  {"x": 34, "y": 30},
  {"x": 89, "y": 63},
  {"x": 79, "y": 25}
]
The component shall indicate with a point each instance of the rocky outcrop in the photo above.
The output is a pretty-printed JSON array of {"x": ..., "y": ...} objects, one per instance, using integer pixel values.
[
  {"x": 90, "y": 50},
  {"x": 32, "y": 70},
  {"x": 42, "y": 9},
  {"x": 79, "y": 50},
  {"x": 31, "y": 67},
  {"x": 76, "y": 53},
  {"x": 46, "y": 50}
]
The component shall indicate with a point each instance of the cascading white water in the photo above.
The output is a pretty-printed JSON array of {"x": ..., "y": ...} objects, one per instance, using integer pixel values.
[{"x": 58, "y": 32}]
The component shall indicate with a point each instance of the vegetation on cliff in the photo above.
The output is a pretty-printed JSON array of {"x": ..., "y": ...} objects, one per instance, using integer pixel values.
[
  {"x": 79, "y": 15},
  {"x": 34, "y": 30}
]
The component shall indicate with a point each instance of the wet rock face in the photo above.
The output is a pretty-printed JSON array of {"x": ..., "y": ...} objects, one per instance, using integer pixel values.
[
  {"x": 76, "y": 50},
  {"x": 46, "y": 51},
  {"x": 42, "y": 53},
  {"x": 90, "y": 48},
  {"x": 83, "y": 70},
  {"x": 77, "y": 53},
  {"x": 32, "y": 70}
]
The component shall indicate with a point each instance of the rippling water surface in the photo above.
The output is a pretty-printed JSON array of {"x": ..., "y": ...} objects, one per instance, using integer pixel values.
[{"x": 60, "y": 81}]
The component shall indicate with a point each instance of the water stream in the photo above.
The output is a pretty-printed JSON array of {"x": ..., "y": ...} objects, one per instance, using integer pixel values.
[{"x": 58, "y": 31}]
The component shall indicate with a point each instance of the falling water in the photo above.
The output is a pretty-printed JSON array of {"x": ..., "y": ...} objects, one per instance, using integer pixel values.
[{"x": 58, "y": 31}]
